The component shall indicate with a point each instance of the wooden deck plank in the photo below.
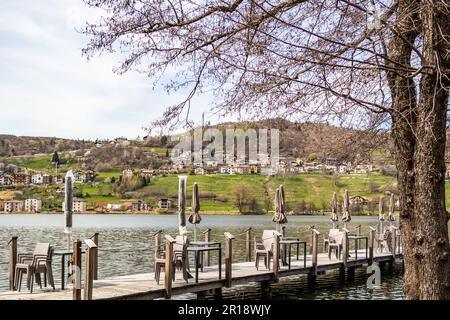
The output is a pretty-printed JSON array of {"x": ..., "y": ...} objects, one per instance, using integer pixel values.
[{"x": 143, "y": 286}]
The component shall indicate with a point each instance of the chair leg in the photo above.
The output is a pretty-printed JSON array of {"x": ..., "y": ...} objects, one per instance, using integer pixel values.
[
  {"x": 268, "y": 261},
  {"x": 49, "y": 276},
  {"x": 45, "y": 278},
  {"x": 16, "y": 278},
  {"x": 157, "y": 272},
  {"x": 37, "y": 276},
  {"x": 257, "y": 262},
  {"x": 31, "y": 282},
  {"x": 19, "y": 279}
]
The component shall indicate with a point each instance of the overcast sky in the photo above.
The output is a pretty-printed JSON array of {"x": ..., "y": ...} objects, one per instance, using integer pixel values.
[{"x": 48, "y": 89}]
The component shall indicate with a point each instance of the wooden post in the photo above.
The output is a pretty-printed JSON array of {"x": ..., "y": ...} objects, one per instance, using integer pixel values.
[
  {"x": 12, "y": 262},
  {"x": 157, "y": 236},
  {"x": 315, "y": 250},
  {"x": 228, "y": 259},
  {"x": 95, "y": 239},
  {"x": 312, "y": 239},
  {"x": 90, "y": 268},
  {"x": 276, "y": 253},
  {"x": 248, "y": 244},
  {"x": 207, "y": 260},
  {"x": 169, "y": 267},
  {"x": 358, "y": 233},
  {"x": 345, "y": 247},
  {"x": 394, "y": 240},
  {"x": 371, "y": 243},
  {"x": 76, "y": 270}
]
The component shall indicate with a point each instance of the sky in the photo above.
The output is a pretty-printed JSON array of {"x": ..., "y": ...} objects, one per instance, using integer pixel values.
[{"x": 48, "y": 89}]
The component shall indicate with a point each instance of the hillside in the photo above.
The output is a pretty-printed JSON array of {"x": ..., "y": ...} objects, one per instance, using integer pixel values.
[
  {"x": 309, "y": 141},
  {"x": 25, "y": 146}
]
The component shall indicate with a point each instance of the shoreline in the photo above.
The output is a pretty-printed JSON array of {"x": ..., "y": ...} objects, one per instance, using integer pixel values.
[{"x": 153, "y": 213}]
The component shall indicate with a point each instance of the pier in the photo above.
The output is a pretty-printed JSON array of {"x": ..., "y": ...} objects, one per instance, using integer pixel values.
[{"x": 144, "y": 287}]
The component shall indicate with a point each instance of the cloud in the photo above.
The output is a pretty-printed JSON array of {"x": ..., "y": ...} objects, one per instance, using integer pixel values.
[{"x": 48, "y": 89}]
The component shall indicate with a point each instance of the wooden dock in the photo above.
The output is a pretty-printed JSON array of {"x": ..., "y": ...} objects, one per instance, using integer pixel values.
[{"x": 144, "y": 287}]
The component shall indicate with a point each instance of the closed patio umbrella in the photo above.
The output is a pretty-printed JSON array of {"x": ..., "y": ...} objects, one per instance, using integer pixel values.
[
  {"x": 182, "y": 205},
  {"x": 68, "y": 205},
  {"x": 195, "y": 218},
  {"x": 334, "y": 208},
  {"x": 346, "y": 217},
  {"x": 381, "y": 210},
  {"x": 280, "y": 207},
  {"x": 391, "y": 217}
]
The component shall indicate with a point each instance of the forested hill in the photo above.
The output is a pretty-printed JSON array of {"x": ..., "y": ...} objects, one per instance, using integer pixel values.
[
  {"x": 297, "y": 140},
  {"x": 20, "y": 146}
]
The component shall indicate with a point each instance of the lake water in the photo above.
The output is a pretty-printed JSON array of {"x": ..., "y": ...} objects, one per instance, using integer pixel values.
[{"x": 126, "y": 247}]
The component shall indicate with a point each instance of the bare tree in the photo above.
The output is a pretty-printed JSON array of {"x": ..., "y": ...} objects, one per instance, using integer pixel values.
[{"x": 354, "y": 63}]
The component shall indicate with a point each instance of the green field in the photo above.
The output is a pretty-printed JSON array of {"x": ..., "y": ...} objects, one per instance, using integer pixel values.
[
  {"x": 217, "y": 191},
  {"x": 114, "y": 172}
]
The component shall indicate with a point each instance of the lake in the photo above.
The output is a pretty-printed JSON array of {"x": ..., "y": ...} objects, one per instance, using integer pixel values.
[{"x": 126, "y": 247}]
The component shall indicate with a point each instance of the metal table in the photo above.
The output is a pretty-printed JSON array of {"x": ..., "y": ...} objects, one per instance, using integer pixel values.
[
  {"x": 357, "y": 239},
  {"x": 199, "y": 248},
  {"x": 63, "y": 254},
  {"x": 289, "y": 242}
]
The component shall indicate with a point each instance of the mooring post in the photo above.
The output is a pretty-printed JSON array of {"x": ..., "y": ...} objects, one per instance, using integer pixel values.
[
  {"x": 315, "y": 250},
  {"x": 276, "y": 253},
  {"x": 372, "y": 233},
  {"x": 312, "y": 239},
  {"x": 228, "y": 259},
  {"x": 12, "y": 262},
  {"x": 207, "y": 260},
  {"x": 169, "y": 267},
  {"x": 248, "y": 244},
  {"x": 345, "y": 247},
  {"x": 394, "y": 240},
  {"x": 76, "y": 270},
  {"x": 95, "y": 239},
  {"x": 90, "y": 268},
  {"x": 358, "y": 233}
]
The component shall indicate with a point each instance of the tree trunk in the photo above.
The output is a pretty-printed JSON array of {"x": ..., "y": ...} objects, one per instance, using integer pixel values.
[{"x": 419, "y": 134}]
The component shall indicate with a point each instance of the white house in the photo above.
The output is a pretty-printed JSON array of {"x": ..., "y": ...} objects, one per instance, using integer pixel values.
[
  {"x": 13, "y": 206},
  {"x": 227, "y": 170},
  {"x": 127, "y": 173},
  {"x": 78, "y": 205},
  {"x": 37, "y": 178},
  {"x": 200, "y": 171},
  {"x": 33, "y": 205},
  {"x": 6, "y": 180},
  {"x": 115, "y": 206}
]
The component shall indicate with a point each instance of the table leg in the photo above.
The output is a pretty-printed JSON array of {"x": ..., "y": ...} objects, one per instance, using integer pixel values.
[
  {"x": 367, "y": 245},
  {"x": 356, "y": 249},
  {"x": 298, "y": 250},
  {"x": 220, "y": 262},
  {"x": 304, "y": 254},
  {"x": 63, "y": 271},
  {"x": 196, "y": 265},
  {"x": 290, "y": 256}
]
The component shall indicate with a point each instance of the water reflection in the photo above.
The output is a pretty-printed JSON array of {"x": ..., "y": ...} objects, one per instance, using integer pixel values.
[{"x": 126, "y": 247}]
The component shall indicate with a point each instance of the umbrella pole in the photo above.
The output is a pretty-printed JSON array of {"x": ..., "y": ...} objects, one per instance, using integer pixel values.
[
  {"x": 68, "y": 241},
  {"x": 195, "y": 232}
]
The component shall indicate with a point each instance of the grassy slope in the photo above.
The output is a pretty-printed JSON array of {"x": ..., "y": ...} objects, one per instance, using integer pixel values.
[{"x": 316, "y": 188}]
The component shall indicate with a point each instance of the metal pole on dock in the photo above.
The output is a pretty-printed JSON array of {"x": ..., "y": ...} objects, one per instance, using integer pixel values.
[
  {"x": 228, "y": 259},
  {"x": 12, "y": 262},
  {"x": 76, "y": 270}
]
